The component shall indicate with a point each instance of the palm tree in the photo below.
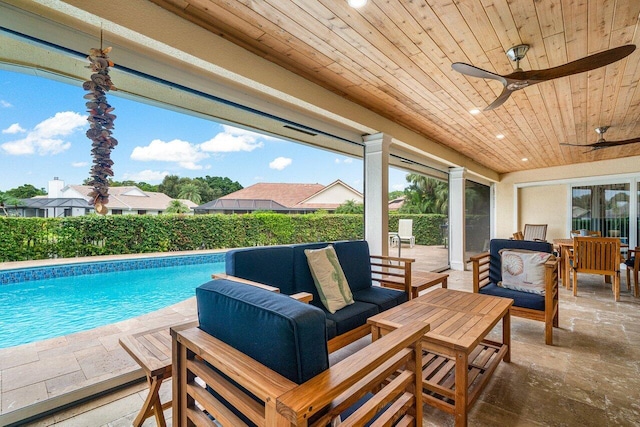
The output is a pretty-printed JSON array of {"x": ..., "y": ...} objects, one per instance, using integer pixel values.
[
  {"x": 177, "y": 207},
  {"x": 425, "y": 195},
  {"x": 191, "y": 192}
]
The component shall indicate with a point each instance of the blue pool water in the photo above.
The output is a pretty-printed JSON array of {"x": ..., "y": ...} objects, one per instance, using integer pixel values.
[{"x": 40, "y": 309}]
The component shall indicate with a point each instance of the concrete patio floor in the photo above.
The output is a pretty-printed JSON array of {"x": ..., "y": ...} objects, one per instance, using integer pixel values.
[{"x": 587, "y": 378}]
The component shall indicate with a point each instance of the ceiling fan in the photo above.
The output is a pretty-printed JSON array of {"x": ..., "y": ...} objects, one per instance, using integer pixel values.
[
  {"x": 520, "y": 79},
  {"x": 601, "y": 143}
]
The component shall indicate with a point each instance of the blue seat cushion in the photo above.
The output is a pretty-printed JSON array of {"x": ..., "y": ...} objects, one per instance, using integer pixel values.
[
  {"x": 285, "y": 335},
  {"x": 332, "y": 331},
  {"x": 355, "y": 260},
  {"x": 630, "y": 262},
  {"x": 384, "y": 298},
  {"x": 352, "y": 316},
  {"x": 271, "y": 265},
  {"x": 520, "y": 299}
]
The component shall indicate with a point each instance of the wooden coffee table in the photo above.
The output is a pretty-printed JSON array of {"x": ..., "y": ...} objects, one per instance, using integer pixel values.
[{"x": 457, "y": 359}]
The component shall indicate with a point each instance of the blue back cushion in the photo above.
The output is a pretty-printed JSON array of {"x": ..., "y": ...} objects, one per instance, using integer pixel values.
[
  {"x": 287, "y": 336},
  {"x": 496, "y": 245},
  {"x": 271, "y": 265},
  {"x": 301, "y": 272},
  {"x": 355, "y": 262}
]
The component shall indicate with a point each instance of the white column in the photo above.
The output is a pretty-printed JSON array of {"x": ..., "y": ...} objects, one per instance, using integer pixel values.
[
  {"x": 457, "y": 232},
  {"x": 376, "y": 192}
]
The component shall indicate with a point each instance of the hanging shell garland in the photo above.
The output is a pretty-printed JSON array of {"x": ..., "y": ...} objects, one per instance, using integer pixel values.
[{"x": 101, "y": 121}]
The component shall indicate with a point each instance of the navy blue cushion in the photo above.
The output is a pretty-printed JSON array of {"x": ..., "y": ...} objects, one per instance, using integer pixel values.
[
  {"x": 630, "y": 262},
  {"x": 520, "y": 299},
  {"x": 332, "y": 331},
  {"x": 303, "y": 280},
  {"x": 271, "y": 265},
  {"x": 283, "y": 334},
  {"x": 496, "y": 245},
  {"x": 356, "y": 263},
  {"x": 352, "y": 316},
  {"x": 384, "y": 298}
]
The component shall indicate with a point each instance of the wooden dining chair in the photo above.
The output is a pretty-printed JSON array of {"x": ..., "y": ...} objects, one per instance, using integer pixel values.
[
  {"x": 535, "y": 232},
  {"x": 589, "y": 233},
  {"x": 633, "y": 263},
  {"x": 597, "y": 255}
]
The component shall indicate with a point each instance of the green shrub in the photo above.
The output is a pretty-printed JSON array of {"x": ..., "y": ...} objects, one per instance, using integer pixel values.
[{"x": 41, "y": 238}]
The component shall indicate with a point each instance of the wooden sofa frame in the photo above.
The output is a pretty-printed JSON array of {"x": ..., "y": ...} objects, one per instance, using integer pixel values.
[
  {"x": 549, "y": 316},
  {"x": 390, "y": 368},
  {"x": 393, "y": 270}
]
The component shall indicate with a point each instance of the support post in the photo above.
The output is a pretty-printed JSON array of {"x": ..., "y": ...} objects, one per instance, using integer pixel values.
[
  {"x": 376, "y": 192},
  {"x": 457, "y": 229}
]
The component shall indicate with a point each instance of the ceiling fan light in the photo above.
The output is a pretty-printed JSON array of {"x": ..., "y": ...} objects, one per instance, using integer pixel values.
[{"x": 356, "y": 3}]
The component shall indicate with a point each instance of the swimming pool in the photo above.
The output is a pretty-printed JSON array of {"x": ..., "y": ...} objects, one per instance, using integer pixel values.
[{"x": 36, "y": 309}]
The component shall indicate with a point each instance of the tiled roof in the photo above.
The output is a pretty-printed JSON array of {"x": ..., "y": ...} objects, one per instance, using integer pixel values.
[
  {"x": 132, "y": 198},
  {"x": 288, "y": 195}
]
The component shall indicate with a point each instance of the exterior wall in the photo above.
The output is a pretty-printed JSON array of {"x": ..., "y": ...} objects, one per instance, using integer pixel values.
[
  {"x": 547, "y": 204},
  {"x": 542, "y": 195},
  {"x": 336, "y": 194}
]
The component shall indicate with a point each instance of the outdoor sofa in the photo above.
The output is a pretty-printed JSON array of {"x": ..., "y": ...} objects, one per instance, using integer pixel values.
[
  {"x": 285, "y": 269},
  {"x": 259, "y": 358}
]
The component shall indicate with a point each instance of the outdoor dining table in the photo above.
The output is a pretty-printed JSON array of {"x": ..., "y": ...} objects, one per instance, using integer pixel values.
[{"x": 565, "y": 247}]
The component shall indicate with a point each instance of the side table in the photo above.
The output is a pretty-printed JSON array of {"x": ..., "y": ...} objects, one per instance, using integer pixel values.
[
  {"x": 420, "y": 280},
  {"x": 151, "y": 349}
]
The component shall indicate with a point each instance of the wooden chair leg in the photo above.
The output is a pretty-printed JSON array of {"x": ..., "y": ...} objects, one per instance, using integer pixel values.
[
  {"x": 575, "y": 283},
  {"x": 152, "y": 405},
  {"x": 616, "y": 287}
]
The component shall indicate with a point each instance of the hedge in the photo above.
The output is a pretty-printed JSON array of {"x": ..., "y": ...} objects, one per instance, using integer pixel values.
[{"x": 41, "y": 238}]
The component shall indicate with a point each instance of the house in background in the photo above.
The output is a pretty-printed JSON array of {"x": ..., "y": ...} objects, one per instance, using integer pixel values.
[
  {"x": 283, "y": 198},
  {"x": 73, "y": 200}
]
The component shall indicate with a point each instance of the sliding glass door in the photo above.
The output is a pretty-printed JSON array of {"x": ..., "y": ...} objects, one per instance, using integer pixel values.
[{"x": 603, "y": 208}]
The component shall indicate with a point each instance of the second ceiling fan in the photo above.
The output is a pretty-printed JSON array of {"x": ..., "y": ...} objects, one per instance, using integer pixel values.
[
  {"x": 520, "y": 79},
  {"x": 601, "y": 143}
]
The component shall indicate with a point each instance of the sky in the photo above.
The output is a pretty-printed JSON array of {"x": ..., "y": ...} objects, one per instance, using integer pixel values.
[{"x": 42, "y": 136}]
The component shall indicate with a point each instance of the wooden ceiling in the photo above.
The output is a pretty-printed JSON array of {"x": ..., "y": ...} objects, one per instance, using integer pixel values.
[{"x": 394, "y": 57}]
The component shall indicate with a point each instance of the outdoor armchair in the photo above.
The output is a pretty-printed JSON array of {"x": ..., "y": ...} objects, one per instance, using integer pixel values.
[{"x": 543, "y": 305}]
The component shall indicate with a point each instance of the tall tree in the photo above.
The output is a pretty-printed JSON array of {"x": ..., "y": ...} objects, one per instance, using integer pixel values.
[
  {"x": 191, "y": 192},
  {"x": 25, "y": 191},
  {"x": 7, "y": 200},
  {"x": 425, "y": 195}
]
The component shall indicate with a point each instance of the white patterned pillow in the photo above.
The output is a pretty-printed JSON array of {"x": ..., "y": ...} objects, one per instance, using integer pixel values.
[
  {"x": 523, "y": 270},
  {"x": 329, "y": 278}
]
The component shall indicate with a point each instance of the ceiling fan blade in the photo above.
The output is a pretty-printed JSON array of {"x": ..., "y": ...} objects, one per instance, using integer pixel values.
[
  {"x": 472, "y": 71},
  {"x": 506, "y": 93},
  {"x": 606, "y": 144},
  {"x": 575, "y": 145},
  {"x": 587, "y": 63}
]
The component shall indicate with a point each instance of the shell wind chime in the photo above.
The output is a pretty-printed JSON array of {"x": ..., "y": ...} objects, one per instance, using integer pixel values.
[{"x": 101, "y": 121}]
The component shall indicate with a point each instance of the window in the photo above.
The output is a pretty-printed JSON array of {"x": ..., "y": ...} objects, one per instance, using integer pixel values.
[
  {"x": 142, "y": 212},
  {"x": 116, "y": 212},
  {"x": 603, "y": 208}
]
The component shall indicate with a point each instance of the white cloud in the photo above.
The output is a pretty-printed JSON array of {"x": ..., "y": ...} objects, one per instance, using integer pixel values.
[
  {"x": 184, "y": 153},
  {"x": 14, "y": 128},
  {"x": 5, "y": 104},
  {"x": 280, "y": 163},
  {"x": 146, "y": 175},
  {"x": 226, "y": 142},
  {"x": 45, "y": 137},
  {"x": 399, "y": 187},
  {"x": 346, "y": 160},
  {"x": 79, "y": 164}
]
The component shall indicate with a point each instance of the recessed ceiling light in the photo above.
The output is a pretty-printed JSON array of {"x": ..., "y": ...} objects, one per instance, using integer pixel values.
[
  {"x": 524, "y": 159},
  {"x": 474, "y": 111},
  {"x": 356, "y": 3},
  {"x": 499, "y": 136}
]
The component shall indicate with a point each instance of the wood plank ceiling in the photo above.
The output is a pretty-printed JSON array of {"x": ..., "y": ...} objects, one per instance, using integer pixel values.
[{"x": 394, "y": 57}]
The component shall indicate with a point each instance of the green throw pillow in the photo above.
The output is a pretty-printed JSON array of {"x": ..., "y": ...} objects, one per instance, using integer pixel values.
[{"x": 329, "y": 278}]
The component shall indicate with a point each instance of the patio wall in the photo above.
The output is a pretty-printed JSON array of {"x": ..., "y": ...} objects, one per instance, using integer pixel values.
[{"x": 542, "y": 196}]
